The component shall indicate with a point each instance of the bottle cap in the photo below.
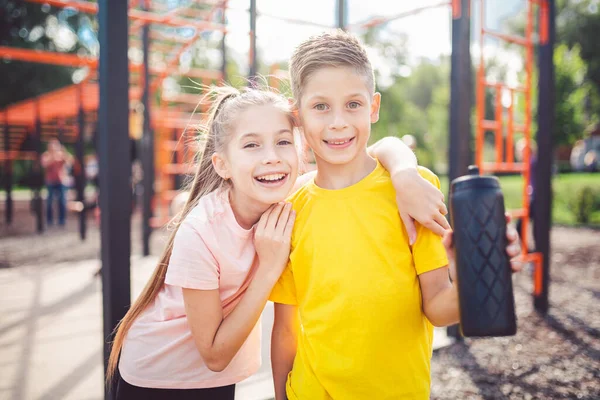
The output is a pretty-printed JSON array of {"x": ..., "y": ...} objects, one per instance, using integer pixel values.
[{"x": 474, "y": 181}]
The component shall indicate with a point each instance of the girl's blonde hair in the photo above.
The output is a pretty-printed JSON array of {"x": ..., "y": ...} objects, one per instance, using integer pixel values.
[{"x": 216, "y": 134}]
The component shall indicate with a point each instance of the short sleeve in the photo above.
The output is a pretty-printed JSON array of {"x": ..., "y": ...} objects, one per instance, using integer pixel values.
[
  {"x": 192, "y": 265},
  {"x": 428, "y": 251},
  {"x": 284, "y": 291}
]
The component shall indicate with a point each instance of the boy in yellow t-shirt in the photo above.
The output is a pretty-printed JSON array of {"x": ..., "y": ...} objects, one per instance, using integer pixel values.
[{"x": 354, "y": 308}]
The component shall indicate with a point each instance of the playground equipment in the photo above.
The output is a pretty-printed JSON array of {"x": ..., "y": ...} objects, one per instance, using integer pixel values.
[
  {"x": 163, "y": 152},
  {"x": 505, "y": 131},
  {"x": 71, "y": 113}
]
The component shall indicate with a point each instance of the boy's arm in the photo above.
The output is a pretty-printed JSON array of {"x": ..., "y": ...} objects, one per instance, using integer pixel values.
[
  {"x": 417, "y": 198},
  {"x": 284, "y": 340},
  {"x": 440, "y": 295}
]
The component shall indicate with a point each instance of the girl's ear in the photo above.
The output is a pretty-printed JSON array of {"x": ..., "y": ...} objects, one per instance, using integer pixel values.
[{"x": 220, "y": 166}]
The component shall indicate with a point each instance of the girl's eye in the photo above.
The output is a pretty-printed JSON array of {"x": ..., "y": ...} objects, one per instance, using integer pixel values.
[
  {"x": 353, "y": 105},
  {"x": 284, "y": 142},
  {"x": 250, "y": 145},
  {"x": 320, "y": 107}
]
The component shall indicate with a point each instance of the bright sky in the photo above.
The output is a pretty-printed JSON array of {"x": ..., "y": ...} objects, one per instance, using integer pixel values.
[{"x": 429, "y": 32}]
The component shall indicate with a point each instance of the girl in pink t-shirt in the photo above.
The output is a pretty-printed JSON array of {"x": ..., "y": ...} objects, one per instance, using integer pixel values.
[{"x": 193, "y": 331}]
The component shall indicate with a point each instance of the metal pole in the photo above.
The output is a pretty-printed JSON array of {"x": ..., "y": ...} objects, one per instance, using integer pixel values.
[
  {"x": 61, "y": 131},
  {"x": 177, "y": 178},
  {"x": 115, "y": 167},
  {"x": 253, "y": 62},
  {"x": 459, "y": 152},
  {"x": 341, "y": 14},
  {"x": 8, "y": 172},
  {"x": 542, "y": 207},
  {"x": 147, "y": 147},
  {"x": 224, "y": 46},
  {"x": 80, "y": 179},
  {"x": 37, "y": 197}
]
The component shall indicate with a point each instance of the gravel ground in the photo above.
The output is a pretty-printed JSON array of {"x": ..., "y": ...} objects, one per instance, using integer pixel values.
[{"x": 556, "y": 356}]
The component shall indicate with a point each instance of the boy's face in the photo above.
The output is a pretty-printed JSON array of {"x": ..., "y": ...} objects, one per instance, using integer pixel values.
[{"x": 336, "y": 111}]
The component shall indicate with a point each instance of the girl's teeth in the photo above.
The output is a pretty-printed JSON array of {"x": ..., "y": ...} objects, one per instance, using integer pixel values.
[{"x": 273, "y": 177}]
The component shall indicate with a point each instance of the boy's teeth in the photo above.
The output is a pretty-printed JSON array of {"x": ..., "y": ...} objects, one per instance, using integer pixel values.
[{"x": 339, "y": 142}]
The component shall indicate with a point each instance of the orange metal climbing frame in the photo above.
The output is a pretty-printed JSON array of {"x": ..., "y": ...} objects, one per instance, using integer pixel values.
[{"x": 505, "y": 131}]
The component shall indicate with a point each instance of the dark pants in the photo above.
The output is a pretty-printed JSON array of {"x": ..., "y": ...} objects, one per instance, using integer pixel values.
[
  {"x": 56, "y": 190},
  {"x": 126, "y": 391}
]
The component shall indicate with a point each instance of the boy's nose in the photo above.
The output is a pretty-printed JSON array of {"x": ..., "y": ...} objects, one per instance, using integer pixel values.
[{"x": 338, "y": 122}]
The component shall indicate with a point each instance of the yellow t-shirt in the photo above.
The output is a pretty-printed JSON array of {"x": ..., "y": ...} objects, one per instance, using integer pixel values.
[{"x": 353, "y": 275}]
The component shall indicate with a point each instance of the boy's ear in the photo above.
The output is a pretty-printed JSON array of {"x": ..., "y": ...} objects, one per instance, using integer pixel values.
[
  {"x": 375, "y": 104},
  {"x": 294, "y": 108},
  {"x": 220, "y": 166}
]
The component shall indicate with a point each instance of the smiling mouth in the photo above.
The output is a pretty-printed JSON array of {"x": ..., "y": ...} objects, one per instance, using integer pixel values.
[
  {"x": 272, "y": 179},
  {"x": 339, "y": 142}
]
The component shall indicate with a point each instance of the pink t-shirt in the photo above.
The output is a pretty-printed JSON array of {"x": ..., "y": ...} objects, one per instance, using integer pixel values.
[{"x": 211, "y": 251}]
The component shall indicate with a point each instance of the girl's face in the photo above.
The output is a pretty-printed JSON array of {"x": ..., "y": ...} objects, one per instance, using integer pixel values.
[{"x": 261, "y": 159}]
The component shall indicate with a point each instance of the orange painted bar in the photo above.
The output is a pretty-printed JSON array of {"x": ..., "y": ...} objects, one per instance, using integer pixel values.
[
  {"x": 17, "y": 155},
  {"x": 147, "y": 17},
  {"x": 510, "y": 153},
  {"x": 508, "y": 38},
  {"x": 174, "y": 21},
  {"x": 517, "y": 213},
  {"x": 46, "y": 57},
  {"x": 527, "y": 131},
  {"x": 382, "y": 20},
  {"x": 488, "y": 125},
  {"x": 503, "y": 167},
  {"x": 456, "y": 9},
  {"x": 499, "y": 133},
  {"x": 519, "y": 128},
  {"x": 83, "y": 6},
  {"x": 504, "y": 85},
  {"x": 203, "y": 74},
  {"x": 543, "y": 21}
]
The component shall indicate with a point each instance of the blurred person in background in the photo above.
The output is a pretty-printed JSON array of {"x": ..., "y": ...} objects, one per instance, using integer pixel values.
[{"x": 56, "y": 160}]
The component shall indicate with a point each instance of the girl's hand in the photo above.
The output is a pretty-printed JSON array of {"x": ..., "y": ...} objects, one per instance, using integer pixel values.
[
  {"x": 513, "y": 249},
  {"x": 272, "y": 239},
  {"x": 421, "y": 201}
]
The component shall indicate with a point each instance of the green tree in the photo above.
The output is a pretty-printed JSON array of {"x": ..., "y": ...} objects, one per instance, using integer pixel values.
[
  {"x": 578, "y": 24},
  {"x": 574, "y": 89},
  {"x": 40, "y": 27}
]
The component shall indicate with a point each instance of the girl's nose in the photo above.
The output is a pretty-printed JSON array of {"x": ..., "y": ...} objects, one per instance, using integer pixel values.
[{"x": 271, "y": 156}]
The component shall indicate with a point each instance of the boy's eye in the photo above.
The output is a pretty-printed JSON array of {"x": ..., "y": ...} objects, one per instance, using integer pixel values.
[
  {"x": 320, "y": 107},
  {"x": 353, "y": 104},
  {"x": 250, "y": 145}
]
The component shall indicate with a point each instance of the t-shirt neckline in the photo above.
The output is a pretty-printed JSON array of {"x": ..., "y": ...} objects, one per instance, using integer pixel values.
[{"x": 351, "y": 190}]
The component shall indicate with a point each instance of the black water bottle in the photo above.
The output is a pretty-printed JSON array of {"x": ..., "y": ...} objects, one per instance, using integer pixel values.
[{"x": 485, "y": 290}]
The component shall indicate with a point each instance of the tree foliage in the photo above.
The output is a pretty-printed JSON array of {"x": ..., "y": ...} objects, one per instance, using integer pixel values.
[{"x": 39, "y": 27}]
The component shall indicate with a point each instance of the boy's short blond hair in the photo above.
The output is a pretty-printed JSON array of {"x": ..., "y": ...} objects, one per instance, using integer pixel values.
[{"x": 329, "y": 49}]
